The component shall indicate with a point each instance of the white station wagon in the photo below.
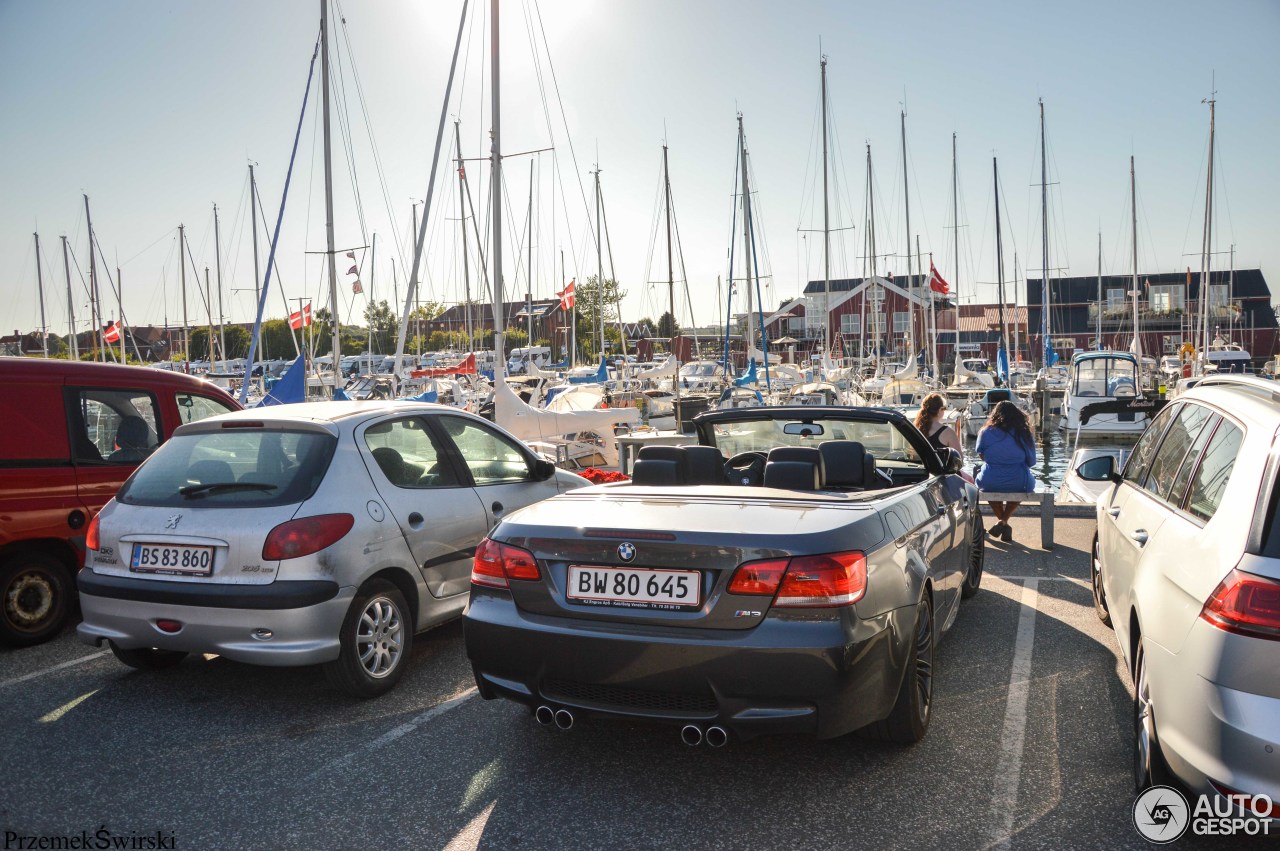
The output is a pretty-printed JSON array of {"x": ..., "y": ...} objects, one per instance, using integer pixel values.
[{"x": 323, "y": 533}]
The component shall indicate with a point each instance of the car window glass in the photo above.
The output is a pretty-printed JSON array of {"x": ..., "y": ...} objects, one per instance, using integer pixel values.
[
  {"x": 1178, "y": 437},
  {"x": 115, "y": 426},
  {"x": 1210, "y": 479},
  {"x": 408, "y": 455},
  {"x": 1145, "y": 449},
  {"x": 192, "y": 407},
  {"x": 491, "y": 457},
  {"x": 1177, "y": 493},
  {"x": 232, "y": 469}
]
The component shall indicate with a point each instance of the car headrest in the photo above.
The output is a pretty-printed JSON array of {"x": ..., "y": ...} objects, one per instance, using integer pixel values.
[
  {"x": 392, "y": 464},
  {"x": 791, "y": 475},
  {"x": 706, "y": 465},
  {"x": 848, "y": 464},
  {"x": 807, "y": 454},
  {"x": 657, "y": 471},
  {"x": 210, "y": 471},
  {"x": 670, "y": 454},
  {"x": 132, "y": 433}
]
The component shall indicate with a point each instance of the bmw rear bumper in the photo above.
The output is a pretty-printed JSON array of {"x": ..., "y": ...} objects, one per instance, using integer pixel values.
[{"x": 823, "y": 672}]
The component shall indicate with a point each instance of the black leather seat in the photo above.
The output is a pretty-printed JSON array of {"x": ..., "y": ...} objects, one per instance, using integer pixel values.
[
  {"x": 848, "y": 464},
  {"x": 805, "y": 454},
  {"x": 657, "y": 471},
  {"x": 706, "y": 465},
  {"x": 792, "y": 475}
]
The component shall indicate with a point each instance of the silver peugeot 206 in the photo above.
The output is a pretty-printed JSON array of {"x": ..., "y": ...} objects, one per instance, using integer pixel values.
[{"x": 307, "y": 534}]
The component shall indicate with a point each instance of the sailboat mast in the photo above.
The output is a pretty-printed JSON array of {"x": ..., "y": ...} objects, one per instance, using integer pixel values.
[
  {"x": 746, "y": 235},
  {"x": 871, "y": 230},
  {"x": 330, "y": 251},
  {"x": 495, "y": 177},
  {"x": 826, "y": 226},
  {"x": 906, "y": 202},
  {"x": 1045, "y": 327},
  {"x": 94, "y": 304},
  {"x": 462, "y": 219},
  {"x": 528, "y": 296},
  {"x": 1097, "y": 343},
  {"x": 1003, "y": 349},
  {"x": 1133, "y": 202},
  {"x": 1205, "y": 255},
  {"x": 253, "y": 229},
  {"x": 71, "y": 305},
  {"x": 44, "y": 327},
  {"x": 955, "y": 240},
  {"x": 599, "y": 330},
  {"x": 671, "y": 278},
  {"x": 217, "y": 256},
  {"x": 182, "y": 272},
  {"x": 120, "y": 311}
]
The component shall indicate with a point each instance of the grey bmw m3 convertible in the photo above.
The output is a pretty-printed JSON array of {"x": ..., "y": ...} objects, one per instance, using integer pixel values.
[{"x": 790, "y": 573}]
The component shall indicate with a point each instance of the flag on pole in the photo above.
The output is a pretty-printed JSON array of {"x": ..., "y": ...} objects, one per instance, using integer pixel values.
[
  {"x": 566, "y": 296},
  {"x": 354, "y": 270},
  {"x": 356, "y": 288},
  {"x": 112, "y": 334},
  {"x": 300, "y": 318},
  {"x": 936, "y": 282},
  {"x": 351, "y": 254}
]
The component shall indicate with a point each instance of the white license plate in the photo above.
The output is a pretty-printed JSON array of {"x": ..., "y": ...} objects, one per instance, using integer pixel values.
[
  {"x": 639, "y": 588},
  {"x": 172, "y": 558}
]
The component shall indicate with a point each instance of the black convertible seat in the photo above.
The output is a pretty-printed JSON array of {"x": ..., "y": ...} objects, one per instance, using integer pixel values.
[
  {"x": 706, "y": 465},
  {"x": 791, "y": 475},
  {"x": 848, "y": 464},
  {"x": 663, "y": 465},
  {"x": 805, "y": 454}
]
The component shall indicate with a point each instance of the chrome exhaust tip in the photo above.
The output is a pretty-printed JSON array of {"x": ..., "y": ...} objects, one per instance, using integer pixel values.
[
  {"x": 564, "y": 719},
  {"x": 545, "y": 715},
  {"x": 691, "y": 735},
  {"x": 717, "y": 737}
]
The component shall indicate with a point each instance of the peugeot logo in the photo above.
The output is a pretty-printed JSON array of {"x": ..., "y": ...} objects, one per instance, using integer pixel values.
[
  {"x": 172, "y": 522},
  {"x": 626, "y": 551}
]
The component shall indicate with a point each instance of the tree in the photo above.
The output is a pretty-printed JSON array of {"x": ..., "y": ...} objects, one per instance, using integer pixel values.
[
  {"x": 276, "y": 341},
  {"x": 384, "y": 326},
  {"x": 667, "y": 326},
  {"x": 587, "y": 295},
  {"x": 237, "y": 341}
]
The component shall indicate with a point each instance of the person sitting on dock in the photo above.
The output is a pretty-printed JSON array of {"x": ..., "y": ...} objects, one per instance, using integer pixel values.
[
  {"x": 1008, "y": 452},
  {"x": 929, "y": 421}
]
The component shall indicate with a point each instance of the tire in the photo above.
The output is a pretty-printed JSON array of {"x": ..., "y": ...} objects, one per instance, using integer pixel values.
[
  {"x": 908, "y": 721},
  {"x": 376, "y": 638},
  {"x": 36, "y": 598},
  {"x": 148, "y": 658},
  {"x": 1149, "y": 767},
  {"x": 977, "y": 558},
  {"x": 1099, "y": 593}
]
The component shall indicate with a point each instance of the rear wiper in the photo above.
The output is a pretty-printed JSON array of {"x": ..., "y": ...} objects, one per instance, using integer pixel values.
[{"x": 222, "y": 487}]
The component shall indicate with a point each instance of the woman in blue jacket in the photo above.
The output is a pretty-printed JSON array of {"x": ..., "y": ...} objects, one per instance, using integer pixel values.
[{"x": 1008, "y": 452}]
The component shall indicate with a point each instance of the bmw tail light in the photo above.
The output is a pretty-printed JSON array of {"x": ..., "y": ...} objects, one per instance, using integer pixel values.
[
  {"x": 494, "y": 564},
  {"x": 305, "y": 536},
  {"x": 93, "y": 537},
  {"x": 835, "y": 579},
  {"x": 758, "y": 578},
  {"x": 1245, "y": 604}
]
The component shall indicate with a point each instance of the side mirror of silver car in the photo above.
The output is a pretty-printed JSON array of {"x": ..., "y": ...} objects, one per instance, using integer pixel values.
[{"x": 542, "y": 470}]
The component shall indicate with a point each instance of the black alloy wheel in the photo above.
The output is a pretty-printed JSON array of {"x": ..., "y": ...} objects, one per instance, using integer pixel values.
[
  {"x": 977, "y": 558},
  {"x": 1149, "y": 767},
  {"x": 1099, "y": 593},
  {"x": 908, "y": 721}
]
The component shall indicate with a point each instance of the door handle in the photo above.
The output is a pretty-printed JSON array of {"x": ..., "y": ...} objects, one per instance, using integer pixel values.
[
  {"x": 415, "y": 519},
  {"x": 1114, "y": 512},
  {"x": 1139, "y": 535},
  {"x": 497, "y": 507}
]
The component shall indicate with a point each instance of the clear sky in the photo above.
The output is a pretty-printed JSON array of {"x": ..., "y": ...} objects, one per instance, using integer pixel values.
[{"x": 154, "y": 109}]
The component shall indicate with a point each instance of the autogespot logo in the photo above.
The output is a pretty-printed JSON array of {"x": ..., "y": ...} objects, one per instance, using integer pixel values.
[{"x": 1161, "y": 814}]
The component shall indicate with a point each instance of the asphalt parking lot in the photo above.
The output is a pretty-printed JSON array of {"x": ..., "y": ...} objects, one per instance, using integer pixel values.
[{"x": 1029, "y": 747}]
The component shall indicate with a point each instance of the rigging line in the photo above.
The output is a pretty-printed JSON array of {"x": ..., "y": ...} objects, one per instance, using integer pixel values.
[
  {"x": 344, "y": 130},
  {"x": 733, "y": 227},
  {"x": 806, "y": 192},
  {"x": 116, "y": 291},
  {"x": 653, "y": 238},
  {"x": 684, "y": 274},
  {"x": 168, "y": 233}
]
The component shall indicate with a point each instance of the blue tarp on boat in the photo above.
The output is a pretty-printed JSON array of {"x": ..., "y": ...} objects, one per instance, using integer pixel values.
[{"x": 291, "y": 388}]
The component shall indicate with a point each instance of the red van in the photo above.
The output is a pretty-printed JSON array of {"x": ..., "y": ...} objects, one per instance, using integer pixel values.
[{"x": 70, "y": 434}]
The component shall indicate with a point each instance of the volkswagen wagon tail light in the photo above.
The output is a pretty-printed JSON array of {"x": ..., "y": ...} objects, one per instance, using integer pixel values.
[
  {"x": 834, "y": 579},
  {"x": 495, "y": 563},
  {"x": 1246, "y": 604},
  {"x": 305, "y": 536}
]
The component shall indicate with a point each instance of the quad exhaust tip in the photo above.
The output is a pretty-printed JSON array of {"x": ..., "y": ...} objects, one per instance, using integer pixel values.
[
  {"x": 564, "y": 719},
  {"x": 545, "y": 715},
  {"x": 717, "y": 737},
  {"x": 691, "y": 735}
]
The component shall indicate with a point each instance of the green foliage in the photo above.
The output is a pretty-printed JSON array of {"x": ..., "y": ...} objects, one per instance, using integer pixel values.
[
  {"x": 384, "y": 327},
  {"x": 667, "y": 326}
]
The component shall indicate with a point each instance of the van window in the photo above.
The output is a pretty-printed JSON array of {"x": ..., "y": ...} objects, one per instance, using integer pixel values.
[
  {"x": 1210, "y": 480},
  {"x": 192, "y": 407},
  {"x": 1178, "y": 438},
  {"x": 112, "y": 426}
]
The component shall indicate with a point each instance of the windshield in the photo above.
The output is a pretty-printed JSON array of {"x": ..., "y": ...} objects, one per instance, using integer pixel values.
[
  {"x": 1106, "y": 377},
  {"x": 232, "y": 469},
  {"x": 882, "y": 440}
]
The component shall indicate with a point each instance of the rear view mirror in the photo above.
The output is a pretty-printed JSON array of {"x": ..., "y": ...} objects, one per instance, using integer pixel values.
[
  {"x": 1099, "y": 469},
  {"x": 803, "y": 429}
]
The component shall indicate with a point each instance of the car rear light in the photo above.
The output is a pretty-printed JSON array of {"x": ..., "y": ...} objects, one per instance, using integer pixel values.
[
  {"x": 494, "y": 564},
  {"x": 305, "y": 536},
  {"x": 836, "y": 579},
  {"x": 169, "y": 626},
  {"x": 759, "y": 578},
  {"x": 93, "y": 538},
  {"x": 1245, "y": 604}
]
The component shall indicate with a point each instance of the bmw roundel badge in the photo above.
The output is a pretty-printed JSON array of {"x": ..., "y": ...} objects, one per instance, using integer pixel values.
[{"x": 626, "y": 551}]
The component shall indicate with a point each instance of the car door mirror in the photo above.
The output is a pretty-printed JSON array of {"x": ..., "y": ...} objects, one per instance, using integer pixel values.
[
  {"x": 952, "y": 461},
  {"x": 1100, "y": 469},
  {"x": 542, "y": 470}
]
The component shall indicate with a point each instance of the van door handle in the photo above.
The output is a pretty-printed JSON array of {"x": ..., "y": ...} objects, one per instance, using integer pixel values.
[
  {"x": 1114, "y": 512},
  {"x": 1139, "y": 535}
]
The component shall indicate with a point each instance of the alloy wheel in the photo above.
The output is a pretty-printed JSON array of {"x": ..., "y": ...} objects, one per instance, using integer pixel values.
[{"x": 380, "y": 637}]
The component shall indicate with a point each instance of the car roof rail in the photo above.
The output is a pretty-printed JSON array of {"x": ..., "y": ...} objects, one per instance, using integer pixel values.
[{"x": 1244, "y": 382}]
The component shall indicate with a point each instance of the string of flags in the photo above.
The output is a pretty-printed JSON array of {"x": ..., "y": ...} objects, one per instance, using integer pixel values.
[{"x": 356, "y": 287}]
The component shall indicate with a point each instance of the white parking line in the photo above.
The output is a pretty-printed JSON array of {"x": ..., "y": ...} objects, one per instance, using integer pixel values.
[
  {"x": 468, "y": 839},
  {"x": 396, "y": 732},
  {"x": 1004, "y": 798},
  {"x": 50, "y": 670}
]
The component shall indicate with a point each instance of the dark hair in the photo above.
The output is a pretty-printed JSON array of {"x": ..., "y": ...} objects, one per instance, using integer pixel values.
[
  {"x": 929, "y": 408},
  {"x": 1007, "y": 417}
]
